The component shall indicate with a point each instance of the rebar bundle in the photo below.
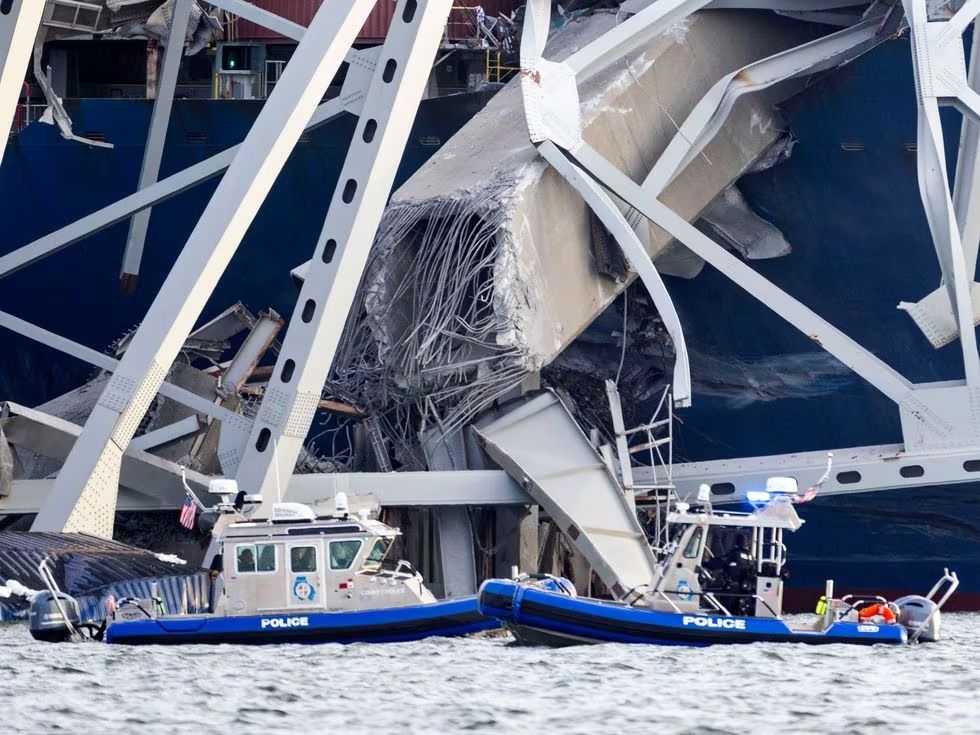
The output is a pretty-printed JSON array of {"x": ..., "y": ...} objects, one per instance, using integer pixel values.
[{"x": 424, "y": 348}]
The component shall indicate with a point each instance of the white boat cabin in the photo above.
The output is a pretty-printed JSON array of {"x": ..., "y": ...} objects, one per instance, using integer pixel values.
[{"x": 298, "y": 561}]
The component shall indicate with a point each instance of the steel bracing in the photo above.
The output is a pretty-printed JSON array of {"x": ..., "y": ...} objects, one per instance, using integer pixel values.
[
  {"x": 159, "y": 122},
  {"x": 19, "y": 24},
  {"x": 936, "y": 418},
  {"x": 348, "y": 232},
  {"x": 384, "y": 87},
  {"x": 83, "y": 497}
]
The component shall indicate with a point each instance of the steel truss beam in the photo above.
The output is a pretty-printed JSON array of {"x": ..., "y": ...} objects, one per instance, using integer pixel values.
[
  {"x": 262, "y": 17},
  {"x": 84, "y": 495},
  {"x": 19, "y": 24},
  {"x": 335, "y": 271},
  {"x": 102, "y": 361},
  {"x": 855, "y": 470},
  {"x": 157, "y": 136},
  {"x": 941, "y": 78},
  {"x": 710, "y": 114},
  {"x": 849, "y": 352},
  {"x": 935, "y": 417},
  {"x": 614, "y": 221}
]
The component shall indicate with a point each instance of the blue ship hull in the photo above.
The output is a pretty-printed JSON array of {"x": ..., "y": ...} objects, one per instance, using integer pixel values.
[
  {"x": 539, "y": 616},
  {"x": 445, "y": 619},
  {"x": 848, "y": 202},
  {"x": 47, "y": 182}
]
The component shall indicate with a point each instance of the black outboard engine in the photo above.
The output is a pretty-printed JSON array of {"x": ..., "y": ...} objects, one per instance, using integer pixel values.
[{"x": 46, "y": 621}]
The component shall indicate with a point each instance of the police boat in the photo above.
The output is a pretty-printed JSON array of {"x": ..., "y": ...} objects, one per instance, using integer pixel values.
[
  {"x": 719, "y": 580},
  {"x": 293, "y": 578}
]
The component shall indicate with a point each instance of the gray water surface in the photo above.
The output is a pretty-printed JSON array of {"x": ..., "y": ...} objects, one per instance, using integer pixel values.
[{"x": 490, "y": 685}]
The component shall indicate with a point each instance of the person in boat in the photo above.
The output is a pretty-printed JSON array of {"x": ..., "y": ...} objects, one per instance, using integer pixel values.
[
  {"x": 246, "y": 560},
  {"x": 217, "y": 581},
  {"x": 735, "y": 575}
]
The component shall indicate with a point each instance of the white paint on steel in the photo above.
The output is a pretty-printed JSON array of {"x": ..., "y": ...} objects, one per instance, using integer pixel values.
[
  {"x": 103, "y": 361},
  {"x": 325, "y": 299},
  {"x": 262, "y": 17},
  {"x": 542, "y": 448},
  {"x": 940, "y": 72},
  {"x": 646, "y": 25},
  {"x": 849, "y": 352},
  {"x": 412, "y": 489},
  {"x": 855, "y": 470},
  {"x": 154, "y": 478},
  {"x": 166, "y": 434},
  {"x": 84, "y": 495},
  {"x": 614, "y": 221},
  {"x": 18, "y": 28},
  {"x": 157, "y": 136},
  {"x": 710, "y": 114}
]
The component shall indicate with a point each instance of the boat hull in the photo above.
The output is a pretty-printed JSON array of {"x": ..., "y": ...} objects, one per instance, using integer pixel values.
[
  {"x": 449, "y": 618},
  {"x": 536, "y": 616}
]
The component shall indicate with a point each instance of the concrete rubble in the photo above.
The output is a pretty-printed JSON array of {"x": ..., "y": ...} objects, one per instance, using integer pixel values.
[{"x": 487, "y": 266}]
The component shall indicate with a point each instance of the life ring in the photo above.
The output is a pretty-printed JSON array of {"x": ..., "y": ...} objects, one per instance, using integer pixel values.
[{"x": 883, "y": 611}]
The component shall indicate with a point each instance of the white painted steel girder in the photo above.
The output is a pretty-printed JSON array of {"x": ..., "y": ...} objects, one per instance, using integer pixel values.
[
  {"x": 84, "y": 495},
  {"x": 552, "y": 113},
  {"x": 262, "y": 17},
  {"x": 361, "y": 66},
  {"x": 542, "y": 448},
  {"x": 627, "y": 36},
  {"x": 391, "y": 489},
  {"x": 966, "y": 187},
  {"x": 157, "y": 136},
  {"x": 849, "y": 352},
  {"x": 855, "y": 470},
  {"x": 325, "y": 299},
  {"x": 233, "y": 421},
  {"x": 940, "y": 74},
  {"x": 710, "y": 114},
  {"x": 19, "y": 24},
  {"x": 614, "y": 221}
]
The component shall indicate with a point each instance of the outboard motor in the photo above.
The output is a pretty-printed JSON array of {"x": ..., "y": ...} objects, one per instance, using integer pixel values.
[
  {"x": 914, "y": 611},
  {"x": 46, "y": 621}
]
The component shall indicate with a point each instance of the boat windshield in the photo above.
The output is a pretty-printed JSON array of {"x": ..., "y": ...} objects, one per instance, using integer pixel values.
[{"x": 377, "y": 554}]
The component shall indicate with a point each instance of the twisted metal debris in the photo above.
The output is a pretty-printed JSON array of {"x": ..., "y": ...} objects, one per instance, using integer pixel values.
[{"x": 425, "y": 348}]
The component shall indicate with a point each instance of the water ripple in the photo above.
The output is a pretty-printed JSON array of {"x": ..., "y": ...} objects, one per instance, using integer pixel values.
[{"x": 489, "y": 685}]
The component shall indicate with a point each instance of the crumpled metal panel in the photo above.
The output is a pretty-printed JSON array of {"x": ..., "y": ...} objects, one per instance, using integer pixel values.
[
  {"x": 541, "y": 446},
  {"x": 90, "y": 569}
]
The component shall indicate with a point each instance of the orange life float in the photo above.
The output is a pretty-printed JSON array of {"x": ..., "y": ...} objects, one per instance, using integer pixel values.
[{"x": 869, "y": 612}]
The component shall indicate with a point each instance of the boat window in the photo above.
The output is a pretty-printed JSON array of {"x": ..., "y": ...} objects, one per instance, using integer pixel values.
[
  {"x": 343, "y": 553},
  {"x": 694, "y": 545},
  {"x": 302, "y": 559},
  {"x": 255, "y": 558},
  {"x": 378, "y": 552},
  {"x": 266, "y": 554},
  {"x": 246, "y": 558}
]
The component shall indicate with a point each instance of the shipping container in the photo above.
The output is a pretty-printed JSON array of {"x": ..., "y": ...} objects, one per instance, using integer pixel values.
[{"x": 461, "y": 27}]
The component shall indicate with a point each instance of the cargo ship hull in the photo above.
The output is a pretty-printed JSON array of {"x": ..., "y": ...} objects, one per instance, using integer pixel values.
[{"x": 847, "y": 200}]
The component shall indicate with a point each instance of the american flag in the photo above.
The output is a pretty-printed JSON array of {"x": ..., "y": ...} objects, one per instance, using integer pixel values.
[{"x": 188, "y": 513}]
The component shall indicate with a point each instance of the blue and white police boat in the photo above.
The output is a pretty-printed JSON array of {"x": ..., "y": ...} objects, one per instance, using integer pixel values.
[
  {"x": 293, "y": 578},
  {"x": 719, "y": 580}
]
